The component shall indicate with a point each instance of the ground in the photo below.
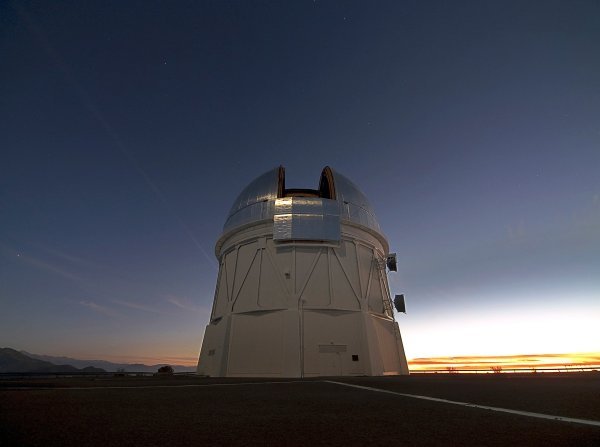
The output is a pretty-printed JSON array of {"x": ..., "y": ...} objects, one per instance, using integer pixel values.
[{"x": 178, "y": 410}]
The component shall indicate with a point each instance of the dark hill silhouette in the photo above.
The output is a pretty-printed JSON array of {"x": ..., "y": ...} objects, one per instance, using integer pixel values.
[
  {"x": 108, "y": 366},
  {"x": 12, "y": 361}
]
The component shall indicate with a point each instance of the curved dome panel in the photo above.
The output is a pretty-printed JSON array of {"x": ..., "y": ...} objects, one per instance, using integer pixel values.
[
  {"x": 354, "y": 205},
  {"x": 256, "y": 202}
]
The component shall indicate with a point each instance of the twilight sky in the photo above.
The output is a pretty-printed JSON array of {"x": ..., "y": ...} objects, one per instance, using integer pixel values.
[{"x": 128, "y": 128}]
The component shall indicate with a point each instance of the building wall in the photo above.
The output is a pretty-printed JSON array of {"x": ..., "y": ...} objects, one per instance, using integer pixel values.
[{"x": 301, "y": 309}]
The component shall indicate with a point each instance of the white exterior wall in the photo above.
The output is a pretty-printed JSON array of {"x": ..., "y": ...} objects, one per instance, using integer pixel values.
[{"x": 301, "y": 309}]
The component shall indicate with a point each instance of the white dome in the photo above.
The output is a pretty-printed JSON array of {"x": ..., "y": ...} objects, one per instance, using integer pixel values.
[{"x": 256, "y": 202}]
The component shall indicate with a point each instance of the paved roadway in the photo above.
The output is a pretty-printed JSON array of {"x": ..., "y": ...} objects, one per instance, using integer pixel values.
[{"x": 150, "y": 411}]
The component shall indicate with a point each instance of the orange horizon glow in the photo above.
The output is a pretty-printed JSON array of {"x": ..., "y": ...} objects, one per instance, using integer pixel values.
[
  {"x": 148, "y": 360},
  {"x": 507, "y": 362},
  {"x": 471, "y": 362}
]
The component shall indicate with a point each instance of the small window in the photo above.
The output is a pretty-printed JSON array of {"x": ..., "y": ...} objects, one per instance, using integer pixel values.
[
  {"x": 354, "y": 357},
  {"x": 211, "y": 352}
]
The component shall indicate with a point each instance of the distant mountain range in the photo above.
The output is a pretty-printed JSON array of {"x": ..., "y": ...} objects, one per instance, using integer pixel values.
[
  {"x": 13, "y": 361},
  {"x": 107, "y": 366}
]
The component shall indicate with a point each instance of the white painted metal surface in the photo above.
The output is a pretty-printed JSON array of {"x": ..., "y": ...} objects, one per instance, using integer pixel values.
[{"x": 313, "y": 300}]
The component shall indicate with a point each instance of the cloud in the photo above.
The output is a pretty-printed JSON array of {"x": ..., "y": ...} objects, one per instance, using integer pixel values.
[
  {"x": 184, "y": 303},
  {"x": 48, "y": 267},
  {"x": 516, "y": 231},
  {"x": 36, "y": 262},
  {"x": 70, "y": 258},
  {"x": 100, "y": 309},
  {"x": 138, "y": 307}
]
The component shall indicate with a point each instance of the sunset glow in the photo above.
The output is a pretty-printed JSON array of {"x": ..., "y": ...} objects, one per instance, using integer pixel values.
[
  {"x": 471, "y": 130},
  {"x": 507, "y": 362}
]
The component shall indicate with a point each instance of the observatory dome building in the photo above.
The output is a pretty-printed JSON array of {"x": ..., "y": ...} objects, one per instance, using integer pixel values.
[{"x": 302, "y": 289}]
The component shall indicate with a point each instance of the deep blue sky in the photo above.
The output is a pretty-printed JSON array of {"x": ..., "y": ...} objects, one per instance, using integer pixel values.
[{"x": 128, "y": 128}]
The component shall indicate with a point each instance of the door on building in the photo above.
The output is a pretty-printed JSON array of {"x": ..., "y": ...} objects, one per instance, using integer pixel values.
[{"x": 330, "y": 360}]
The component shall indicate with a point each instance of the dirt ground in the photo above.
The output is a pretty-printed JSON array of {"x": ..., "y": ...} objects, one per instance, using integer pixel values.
[{"x": 178, "y": 410}]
